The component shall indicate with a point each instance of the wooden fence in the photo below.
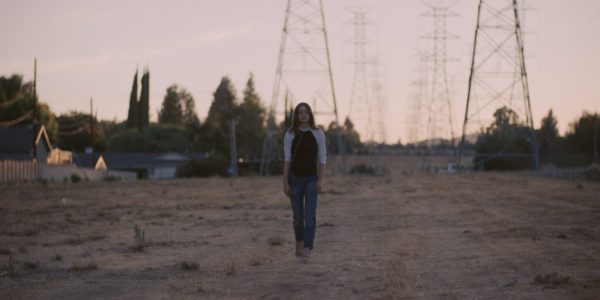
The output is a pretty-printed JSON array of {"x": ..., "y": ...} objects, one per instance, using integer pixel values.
[
  {"x": 12, "y": 170},
  {"x": 28, "y": 171}
]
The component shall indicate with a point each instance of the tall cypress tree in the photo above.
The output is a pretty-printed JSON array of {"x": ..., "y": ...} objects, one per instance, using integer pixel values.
[
  {"x": 132, "y": 116},
  {"x": 547, "y": 135},
  {"x": 251, "y": 123},
  {"x": 223, "y": 105},
  {"x": 221, "y": 112},
  {"x": 171, "y": 111},
  {"x": 144, "y": 110}
]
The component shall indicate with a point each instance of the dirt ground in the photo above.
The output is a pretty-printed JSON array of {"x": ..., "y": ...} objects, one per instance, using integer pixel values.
[{"x": 404, "y": 235}]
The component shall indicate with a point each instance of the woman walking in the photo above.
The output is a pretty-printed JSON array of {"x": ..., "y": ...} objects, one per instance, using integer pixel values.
[{"x": 303, "y": 168}]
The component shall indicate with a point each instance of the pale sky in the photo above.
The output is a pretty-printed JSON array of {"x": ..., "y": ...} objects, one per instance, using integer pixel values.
[{"x": 92, "y": 48}]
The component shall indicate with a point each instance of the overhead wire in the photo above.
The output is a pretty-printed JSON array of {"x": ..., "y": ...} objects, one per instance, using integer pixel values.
[
  {"x": 68, "y": 126},
  {"x": 74, "y": 132},
  {"x": 11, "y": 101},
  {"x": 17, "y": 120}
]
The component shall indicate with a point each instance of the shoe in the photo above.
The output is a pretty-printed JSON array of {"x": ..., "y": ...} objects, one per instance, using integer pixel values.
[
  {"x": 306, "y": 252},
  {"x": 299, "y": 248}
]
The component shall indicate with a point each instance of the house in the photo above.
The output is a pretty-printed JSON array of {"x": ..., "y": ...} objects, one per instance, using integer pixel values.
[
  {"x": 60, "y": 157},
  {"x": 85, "y": 161},
  {"x": 165, "y": 165},
  {"x": 146, "y": 165},
  {"x": 16, "y": 143},
  {"x": 17, "y": 162}
]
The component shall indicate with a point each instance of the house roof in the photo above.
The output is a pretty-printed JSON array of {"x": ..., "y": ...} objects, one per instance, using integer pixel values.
[
  {"x": 117, "y": 160},
  {"x": 134, "y": 160},
  {"x": 84, "y": 160},
  {"x": 170, "y": 157},
  {"x": 15, "y": 156},
  {"x": 17, "y": 139}
]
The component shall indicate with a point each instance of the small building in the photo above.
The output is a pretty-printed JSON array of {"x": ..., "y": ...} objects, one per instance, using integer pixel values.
[
  {"x": 165, "y": 165},
  {"x": 17, "y": 162},
  {"x": 60, "y": 157},
  {"x": 85, "y": 161},
  {"x": 16, "y": 143},
  {"x": 145, "y": 165}
]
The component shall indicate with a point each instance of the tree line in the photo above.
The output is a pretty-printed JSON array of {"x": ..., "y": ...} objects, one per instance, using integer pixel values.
[
  {"x": 510, "y": 135},
  {"x": 177, "y": 129}
]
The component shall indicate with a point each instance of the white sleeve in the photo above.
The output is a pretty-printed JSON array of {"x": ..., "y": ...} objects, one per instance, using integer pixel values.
[
  {"x": 288, "y": 138},
  {"x": 322, "y": 151}
]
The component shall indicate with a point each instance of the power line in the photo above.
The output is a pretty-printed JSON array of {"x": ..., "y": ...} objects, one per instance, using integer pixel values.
[
  {"x": 17, "y": 120},
  {"x": 12, "y": 101},
  {"x": 81, "y": 129}
]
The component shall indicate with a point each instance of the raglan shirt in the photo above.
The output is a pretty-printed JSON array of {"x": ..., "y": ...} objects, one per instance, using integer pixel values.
[{"x": 304, "y": 149}]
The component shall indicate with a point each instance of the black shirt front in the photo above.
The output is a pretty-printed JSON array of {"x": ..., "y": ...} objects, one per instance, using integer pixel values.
[{"x": 304, "y": 154}]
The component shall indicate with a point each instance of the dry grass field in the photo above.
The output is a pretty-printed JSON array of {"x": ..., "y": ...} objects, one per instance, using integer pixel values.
[{"x": 405, "y": 235}]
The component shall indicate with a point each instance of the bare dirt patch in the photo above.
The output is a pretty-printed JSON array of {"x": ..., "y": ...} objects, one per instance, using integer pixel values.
[{"x": 402, "y": 234}]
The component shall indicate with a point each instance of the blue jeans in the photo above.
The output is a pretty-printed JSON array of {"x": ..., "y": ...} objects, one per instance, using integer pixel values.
[{"x": 304, "y": 207}]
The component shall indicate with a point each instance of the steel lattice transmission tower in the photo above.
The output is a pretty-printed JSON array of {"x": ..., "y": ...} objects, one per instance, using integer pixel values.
[
  {"x": 438, "y": 102},
  {"x": 303, "y": 73},
  {"x": 380, "y": 96},
  {"x": 367, "y": 98},
  {"x": 498, "y": 76},
  {"x": 361, "y": 102},
  {"x": 418, "y": 98}
]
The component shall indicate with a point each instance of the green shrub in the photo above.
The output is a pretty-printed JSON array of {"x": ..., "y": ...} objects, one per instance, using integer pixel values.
[
  {"x": 210, "y": 166},
  {"x": 75, "y": 178},
  {"x": 188, "y": 266},
  {"x": 155, "y": 138},
  {"x": 276, "y": 168},
  {"x": 504, "y": 145},
  {"x": 363, "y": 169}
]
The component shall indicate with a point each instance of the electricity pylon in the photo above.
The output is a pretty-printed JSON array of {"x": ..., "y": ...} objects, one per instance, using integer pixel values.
[
  {"x": 303, "y": 74},
  {"x": 498, "y": 76},
  {"x": 438, "y": 106},
  {"x": 418, "y": 98},
  {"x": 361, "y": 101},
  {"x": 380, "y": 96},
  {"x": 367, "y": 98}
]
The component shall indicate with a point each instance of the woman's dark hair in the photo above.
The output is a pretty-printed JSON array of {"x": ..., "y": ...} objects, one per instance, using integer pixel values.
[{"x": 296, "y": 121}]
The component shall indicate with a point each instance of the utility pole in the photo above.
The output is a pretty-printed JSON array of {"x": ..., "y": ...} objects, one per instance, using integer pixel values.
[
  {"x": 596, "y": 117},
  {"x": 34, "y": 121},
  {"x": 233, "y": 169},
  {"x": 92, "y": 132}
]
